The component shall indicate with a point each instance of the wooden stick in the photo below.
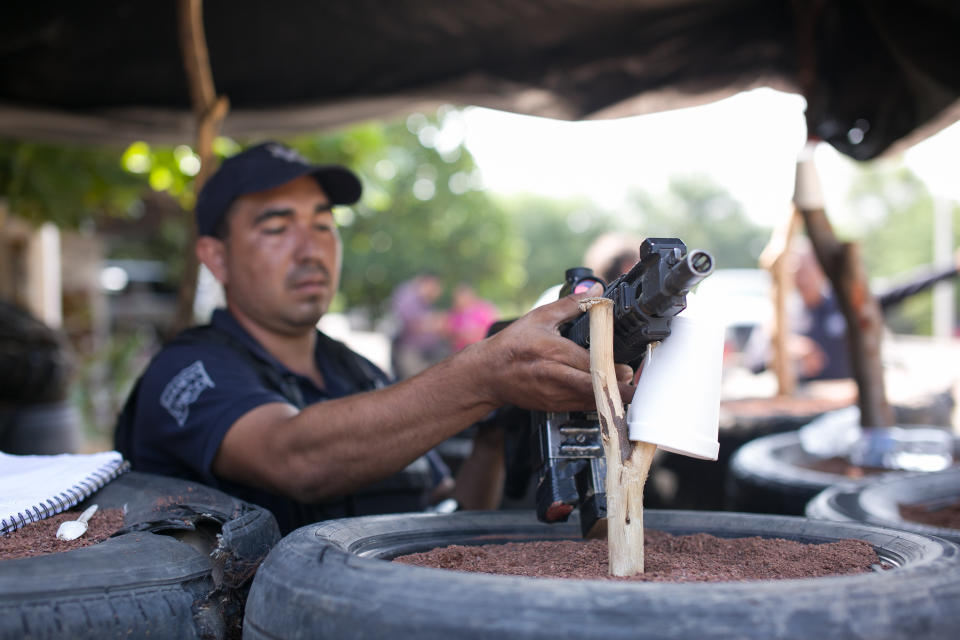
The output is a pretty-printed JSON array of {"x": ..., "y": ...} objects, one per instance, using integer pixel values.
[
  {"x": 627, "y": 462},
  {"x": 842, "y": 265},
  {"x": 209, "y": 110},
  {"x": 844, "y": 268},
  {"x": 773, "y": 258}
]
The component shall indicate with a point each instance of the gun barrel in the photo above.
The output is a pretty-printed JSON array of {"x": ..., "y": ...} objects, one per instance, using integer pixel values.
[{"x": 694, "y": 267}]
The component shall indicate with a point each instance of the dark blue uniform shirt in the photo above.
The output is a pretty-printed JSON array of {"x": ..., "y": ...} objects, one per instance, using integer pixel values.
[{"x": 195, "y": 389}]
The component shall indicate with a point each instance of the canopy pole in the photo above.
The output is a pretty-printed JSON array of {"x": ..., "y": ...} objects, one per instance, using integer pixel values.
[
  {"x": 775, "y": 259},
  {"x": 209, "y": 111},
  {"x": 843, "y": 266}
]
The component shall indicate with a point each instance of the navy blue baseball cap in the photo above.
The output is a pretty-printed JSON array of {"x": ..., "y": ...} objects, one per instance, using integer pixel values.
[{"x": 264, "y": 167}]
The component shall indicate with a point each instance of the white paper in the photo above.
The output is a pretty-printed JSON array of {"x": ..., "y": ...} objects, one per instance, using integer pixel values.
[{"x": 677, "y": 402}]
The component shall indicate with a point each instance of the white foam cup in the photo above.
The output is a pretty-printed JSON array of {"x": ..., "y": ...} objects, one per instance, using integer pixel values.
[{"x": 677, "y": 402}]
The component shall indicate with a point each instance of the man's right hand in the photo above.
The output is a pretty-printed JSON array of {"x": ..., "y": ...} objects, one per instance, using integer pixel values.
[{"x": 530, "y": 365}]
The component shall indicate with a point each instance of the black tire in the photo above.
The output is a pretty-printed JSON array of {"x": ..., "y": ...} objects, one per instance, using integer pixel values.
[
  {"x": 770, "y": 475},
  {"x": 332, "y": 580},
  {"x": 180, "y": 568},
  {"x": 681, "y": 482},
  {"x": 767, "y": 475},
  {"x": 878, "y": 502}
]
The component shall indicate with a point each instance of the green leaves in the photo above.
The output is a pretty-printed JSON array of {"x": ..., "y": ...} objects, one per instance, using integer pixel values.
[{"x": 63, "y": 184}]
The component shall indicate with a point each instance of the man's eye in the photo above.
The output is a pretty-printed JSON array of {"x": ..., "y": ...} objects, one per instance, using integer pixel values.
[{"x": 274, "y": 231}]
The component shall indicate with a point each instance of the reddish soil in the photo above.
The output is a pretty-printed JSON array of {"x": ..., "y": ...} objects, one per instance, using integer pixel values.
[
  {"x": 947, "y": 516},
  {"x": 782, "y": 405},
  {"x": 690, "y": 558},
  {"x": 842, "y": 467},
  {"x": 40, "y": 538}
]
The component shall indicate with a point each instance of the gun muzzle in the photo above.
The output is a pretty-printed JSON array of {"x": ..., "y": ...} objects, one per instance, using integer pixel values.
[{"x": 693, "y": 268}]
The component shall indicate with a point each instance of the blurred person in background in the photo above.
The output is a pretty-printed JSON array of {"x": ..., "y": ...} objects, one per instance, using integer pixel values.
[
  {"x": 470, "y": 317},
  {"x": 421, "y": 337},
  {"x": 818, "y": 344}
]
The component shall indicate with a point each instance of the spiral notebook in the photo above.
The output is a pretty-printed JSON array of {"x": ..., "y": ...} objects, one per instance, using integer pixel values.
[{"x": 36, "y": 487}]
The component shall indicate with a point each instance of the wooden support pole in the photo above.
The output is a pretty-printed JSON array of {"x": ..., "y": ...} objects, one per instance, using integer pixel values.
[
  {"x": 627, "y": 462},
  {"x": 774, "y": 258},
  {"x": 209, "y": 110},
  {"x": 843, "y": 266}
]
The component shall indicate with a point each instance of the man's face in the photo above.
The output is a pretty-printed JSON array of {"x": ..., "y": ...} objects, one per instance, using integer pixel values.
[{"x": 282, "y": 256}]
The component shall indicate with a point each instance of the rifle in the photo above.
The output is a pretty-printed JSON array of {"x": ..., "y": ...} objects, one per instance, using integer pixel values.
[{"x": 569, "y": 452}]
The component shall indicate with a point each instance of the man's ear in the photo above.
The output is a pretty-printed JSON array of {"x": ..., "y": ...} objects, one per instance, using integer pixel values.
[{"x": 213, "y": 254}]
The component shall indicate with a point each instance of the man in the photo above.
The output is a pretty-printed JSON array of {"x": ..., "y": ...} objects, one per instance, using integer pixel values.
[{"x": 262, "y": 405}]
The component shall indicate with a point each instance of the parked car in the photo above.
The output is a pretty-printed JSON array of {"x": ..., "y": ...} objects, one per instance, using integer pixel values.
[{"x": 742, "y": 299}]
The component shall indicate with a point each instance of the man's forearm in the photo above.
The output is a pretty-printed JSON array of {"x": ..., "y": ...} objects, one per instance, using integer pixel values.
[{"x": 335, "y": 447}]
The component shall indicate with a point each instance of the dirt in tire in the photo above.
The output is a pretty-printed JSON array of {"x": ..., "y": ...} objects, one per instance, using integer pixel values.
[
  {"x": 946, "y": 516},
  {"x": 40, "y": 538},
  {"x": 697, "y": 557}
]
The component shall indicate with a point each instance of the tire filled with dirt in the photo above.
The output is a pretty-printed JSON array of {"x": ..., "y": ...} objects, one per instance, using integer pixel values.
[
  {"x": 336, "y": 580},
  {"x": 927, "y": 503},
  {"x": 773, "y": 474},
  {"x": 681, "y": 482},
  {"x": 179, "y": 567}
]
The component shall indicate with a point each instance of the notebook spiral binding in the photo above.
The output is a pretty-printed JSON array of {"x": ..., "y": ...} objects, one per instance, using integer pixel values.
[{"x": 66, "y": 499}]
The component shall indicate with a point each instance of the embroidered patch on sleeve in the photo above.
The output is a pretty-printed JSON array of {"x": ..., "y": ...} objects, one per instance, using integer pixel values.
[{"x": 183, "y": 390}]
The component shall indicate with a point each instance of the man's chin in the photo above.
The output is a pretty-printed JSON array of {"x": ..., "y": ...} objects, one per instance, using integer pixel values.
[{"x": 308, "y": 315}]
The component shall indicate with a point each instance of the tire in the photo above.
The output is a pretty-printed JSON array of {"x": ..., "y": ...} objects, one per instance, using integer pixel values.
[
  {"x": 332, "y": 580},
  {"x": 878, "y": 502},
  {"x": 768, "y": 475},
  {"x": 682, "y": 482},
  {"x": 179, "y": 568}
]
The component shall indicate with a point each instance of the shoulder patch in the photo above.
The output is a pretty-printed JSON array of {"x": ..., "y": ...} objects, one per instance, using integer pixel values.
[{"x": 184, "y": 389}]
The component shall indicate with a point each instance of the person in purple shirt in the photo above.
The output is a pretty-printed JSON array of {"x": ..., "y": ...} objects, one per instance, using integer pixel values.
[
  {"x": 421, "y": 337},
  {"x": 264, "y": 406}
]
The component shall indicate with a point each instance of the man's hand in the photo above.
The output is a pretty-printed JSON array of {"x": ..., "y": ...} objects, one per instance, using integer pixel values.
[{"x": 530, "y": 365}]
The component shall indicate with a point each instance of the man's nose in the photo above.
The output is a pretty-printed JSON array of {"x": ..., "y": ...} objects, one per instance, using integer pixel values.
[{"x": 309, "y": 243}]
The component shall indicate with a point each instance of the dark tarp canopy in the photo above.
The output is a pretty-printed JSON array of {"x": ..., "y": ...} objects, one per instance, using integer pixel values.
[{"x": 874, "y": 73}]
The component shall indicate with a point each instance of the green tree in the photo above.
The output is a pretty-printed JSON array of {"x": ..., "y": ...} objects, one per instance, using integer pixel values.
[
  {"x": 65, "y": 184},
  {"x": 704, "y": 216},
  {"x": 895, "y": 216},
  {"x": 555, "y": 235}
]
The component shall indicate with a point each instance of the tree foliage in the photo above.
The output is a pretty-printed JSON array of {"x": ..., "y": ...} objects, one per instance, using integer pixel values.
[
  {"x": 704, "y": 216},
  {"x": 65, "y": 184},
  {"x": 895, "y": 214},
  {"x": 555, "y": 235}
]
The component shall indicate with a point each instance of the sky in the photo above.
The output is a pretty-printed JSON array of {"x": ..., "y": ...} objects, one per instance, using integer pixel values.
[{"x": 748, "y": 144}]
